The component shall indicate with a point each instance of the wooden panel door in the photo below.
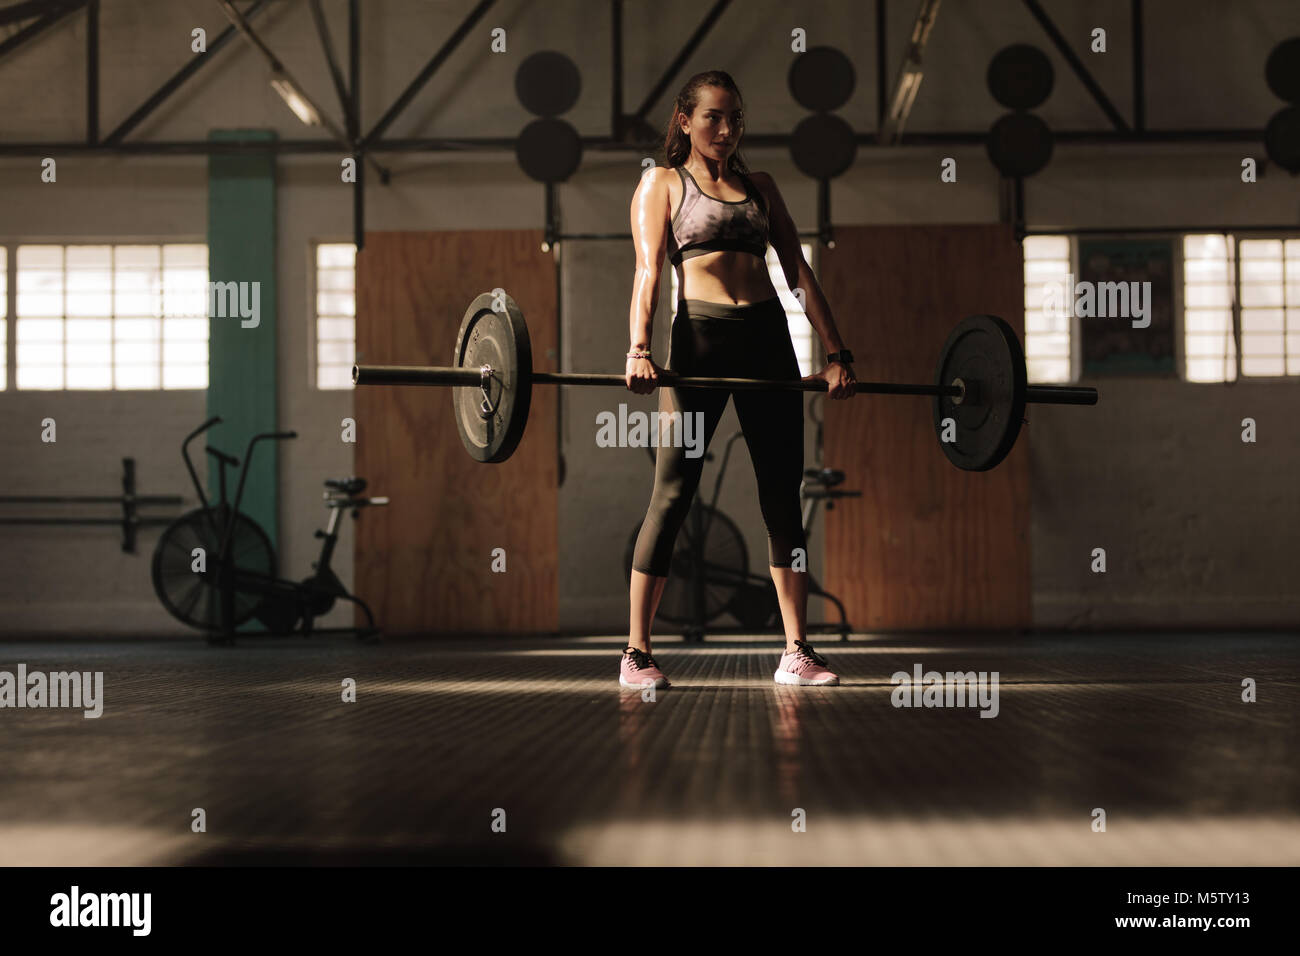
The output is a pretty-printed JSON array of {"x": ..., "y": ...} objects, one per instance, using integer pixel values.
[
  {"x": 927, "y": 546},
  {"x": 425, "y": 562}
]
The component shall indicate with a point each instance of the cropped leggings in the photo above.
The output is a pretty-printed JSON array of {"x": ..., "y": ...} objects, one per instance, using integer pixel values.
[{"x": 732, "y": 341}]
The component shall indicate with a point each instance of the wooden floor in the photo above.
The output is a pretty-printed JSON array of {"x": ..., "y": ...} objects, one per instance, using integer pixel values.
[{"x": 445, "y": 734}]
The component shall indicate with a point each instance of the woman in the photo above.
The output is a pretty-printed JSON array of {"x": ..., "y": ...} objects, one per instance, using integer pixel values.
[{"x": 715, "y": 220}]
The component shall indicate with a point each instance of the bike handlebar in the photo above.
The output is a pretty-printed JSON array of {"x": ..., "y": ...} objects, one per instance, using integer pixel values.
[
  {"x": 248, "y": 458},
  {"x": 221, "y": 456},
  {"x": 185, "y": 453}
]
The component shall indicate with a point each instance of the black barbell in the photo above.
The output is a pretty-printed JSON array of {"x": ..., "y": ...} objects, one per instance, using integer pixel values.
[{"x": 980, "y": 389}]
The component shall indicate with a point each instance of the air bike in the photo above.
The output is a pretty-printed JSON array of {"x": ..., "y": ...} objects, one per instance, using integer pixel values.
[{"x": 215, "y": 570}]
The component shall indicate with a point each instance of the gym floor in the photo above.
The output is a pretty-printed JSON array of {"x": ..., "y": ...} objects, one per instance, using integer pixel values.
[{"x": 446, "y": 734}]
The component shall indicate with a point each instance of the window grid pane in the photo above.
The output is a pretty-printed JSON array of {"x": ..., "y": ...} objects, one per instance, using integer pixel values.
[
  {"x": 184, "y": 344},
  {"x": 1047, "y": 328},
  {"x": 1270, "y": 316},
  {"x": 39, "y": 323},
  {"x": 1209, "y": 274},
  {"x": 801, "y": 331},
  {"x": 101, "y": 316},
  {"x": 336, "y": 308}
]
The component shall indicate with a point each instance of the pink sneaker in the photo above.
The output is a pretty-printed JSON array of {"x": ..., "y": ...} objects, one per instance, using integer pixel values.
[
  {"x": 638, "y": 669},
  {"x": 805, "y": 666}
]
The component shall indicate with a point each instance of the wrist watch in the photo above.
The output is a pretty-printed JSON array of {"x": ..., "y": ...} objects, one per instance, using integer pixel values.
[{"x": 843, "y": 356}]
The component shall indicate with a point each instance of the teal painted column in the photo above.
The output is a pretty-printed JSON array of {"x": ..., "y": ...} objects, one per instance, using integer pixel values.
[{"x": 242, "y": 322}]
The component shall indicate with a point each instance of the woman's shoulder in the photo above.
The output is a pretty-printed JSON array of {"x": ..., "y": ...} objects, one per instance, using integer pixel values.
[
  {"x": 659, "y": 180},
  {"x": 663, "y": 177}
]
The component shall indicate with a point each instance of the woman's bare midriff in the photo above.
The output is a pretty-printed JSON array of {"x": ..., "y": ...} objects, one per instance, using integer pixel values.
[{"x": 734, "y": 278}]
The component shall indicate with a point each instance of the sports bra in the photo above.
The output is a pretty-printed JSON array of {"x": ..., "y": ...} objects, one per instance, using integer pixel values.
[{"x": 704, "y": 224}]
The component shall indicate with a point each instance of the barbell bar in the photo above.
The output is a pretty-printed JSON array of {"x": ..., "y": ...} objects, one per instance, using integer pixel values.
[
  {"x": 980, "y": 388},
  {"x": 447, "y": 375}
]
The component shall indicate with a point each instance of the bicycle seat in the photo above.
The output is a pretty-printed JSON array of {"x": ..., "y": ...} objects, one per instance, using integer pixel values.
[
  {"x": 827, "y": 477},
  {"x": 347, "y": 486}
]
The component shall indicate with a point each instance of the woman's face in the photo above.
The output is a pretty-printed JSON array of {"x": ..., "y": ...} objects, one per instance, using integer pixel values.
[{"x": 716, "y": 125}]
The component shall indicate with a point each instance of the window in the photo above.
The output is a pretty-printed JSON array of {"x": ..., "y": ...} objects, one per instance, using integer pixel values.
[
  {"x": 1233, "y": 284},
  {"x": 1208, "y": 277},
  {"x": 111, "y": 316},
  {"x": 801, "y": 331},
  {"x": 336, "y": 314},
  {"x": 1270, "y": 306},
  {"x": 1047, "y": 331}
]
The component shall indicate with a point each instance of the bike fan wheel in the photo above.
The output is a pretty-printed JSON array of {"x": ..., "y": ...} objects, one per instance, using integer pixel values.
[
  {"x": 725, "y": 568},
  {"x": 194, "y": 598}
]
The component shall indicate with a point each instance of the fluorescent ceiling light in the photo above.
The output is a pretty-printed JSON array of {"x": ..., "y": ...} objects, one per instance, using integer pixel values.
[{"x": 295, "y": 99}]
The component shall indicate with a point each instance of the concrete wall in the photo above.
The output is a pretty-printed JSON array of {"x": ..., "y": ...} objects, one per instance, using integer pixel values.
[
  {"x": 1198, "y": 526},
  {"x": 1195, "y": 523}
]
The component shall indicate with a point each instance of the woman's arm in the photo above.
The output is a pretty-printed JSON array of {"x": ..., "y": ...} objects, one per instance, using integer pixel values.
[
  {"x": 839, "y": 377},
  {"x": 649, "y": 240}
]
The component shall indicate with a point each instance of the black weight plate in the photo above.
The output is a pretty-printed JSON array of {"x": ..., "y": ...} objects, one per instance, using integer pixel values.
[
  {"x": 1020, "y": 77},
  {"x": 1019, "y": 144},
  {"x": 549, "y": 150},
  {"x": 547, "y": 83},
  {"x": 493, "y": 333},
  {"x": 984, "y": 352},
  {"x": 821, "y": 79},
  {"x": 823, "y": 146},
  {"x": 1282, "y": 70},
  {"x": 1282, "y": 138}
]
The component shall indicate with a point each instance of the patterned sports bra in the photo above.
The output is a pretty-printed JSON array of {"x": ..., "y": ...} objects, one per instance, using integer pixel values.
[{"x": 704, "y": 224}]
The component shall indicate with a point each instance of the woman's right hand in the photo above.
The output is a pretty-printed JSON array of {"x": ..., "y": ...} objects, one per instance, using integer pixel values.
[{"x": 642, "y": 375}]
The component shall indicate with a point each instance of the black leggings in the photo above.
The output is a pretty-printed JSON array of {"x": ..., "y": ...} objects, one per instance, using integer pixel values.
[{"x": 731, "y": 341}]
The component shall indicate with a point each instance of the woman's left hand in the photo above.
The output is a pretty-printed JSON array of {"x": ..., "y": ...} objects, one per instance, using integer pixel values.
[{"x": 839, "y": 379}]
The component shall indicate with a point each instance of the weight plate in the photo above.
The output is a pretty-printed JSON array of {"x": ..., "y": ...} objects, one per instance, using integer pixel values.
[
  {"x": 984, "y": 352},
  {"x": 1019, "y": 144},
  {"x": 493, "y": 333},
  {"x": 821, "y": 79},
  {"x": 1282, "y": 70},
  {"x": 549, "y": 150},
  {"x": 1282, "y": 138},
  {"x": 547, "y": 83},
  {"x": 823, "y": 146},
  {"x": 1020, "y": 77}
]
